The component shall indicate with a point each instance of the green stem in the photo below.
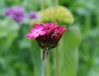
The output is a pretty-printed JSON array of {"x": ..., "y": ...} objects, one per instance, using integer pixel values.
[
  {"x": 97, "y": 18},
  {"x": 87, "y": 22},
  {"x": 56, "y": 3},
  {"x": 48, "y": 67},
  {"x": 44, "y": 63},
  {"x": 42, "y": 5},
  {"x": 57, "y": 62}
]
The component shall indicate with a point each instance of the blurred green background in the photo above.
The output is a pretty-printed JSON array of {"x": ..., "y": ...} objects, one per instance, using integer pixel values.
[{"x": 78, "y": 50}]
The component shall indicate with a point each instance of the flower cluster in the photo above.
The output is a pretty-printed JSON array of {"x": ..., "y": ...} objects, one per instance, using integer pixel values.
[
  {"x": 47, "y": 35},
  {"x": 33, "y": 15},
  {"x": 16, "y": 13}
]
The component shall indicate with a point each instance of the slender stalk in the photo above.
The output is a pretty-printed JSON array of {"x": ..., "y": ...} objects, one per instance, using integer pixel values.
[
  {"x": 57, "y": 62},
  {"x": 88, "y": 27},
  {"x": 88, "y": 22},
  {"x": 97, "y": 18},
  {"x": 56, "y": 3},
  {"x": 48, "y": 67},
  {"x": 44, "y": 63},
  {"x": 42, "y": 5}
]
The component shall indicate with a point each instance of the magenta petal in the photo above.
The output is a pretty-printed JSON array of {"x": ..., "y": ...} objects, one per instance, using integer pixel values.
[
  {"x": 63, "y": 31},
  {"x": 47, "y": 32},
  {"x": 28, "y": 35},
  {"x": 42, "y": 33},
  {"x": 35, "y": 35},
  {"x": 33, "y": 29},
  {"x": 62, "y": 28},
  {"x": 40, "y": 27},
  {"x": 52, "y": 35},
  {"x": 36, "y": 25},
  {"x": 48, "y": 24},
  {"x": 58, "y": 26},
  {"x": 31, "y": 38},
  {"x": 54, "y": 24},
  {"x": 42, "y": 24}
]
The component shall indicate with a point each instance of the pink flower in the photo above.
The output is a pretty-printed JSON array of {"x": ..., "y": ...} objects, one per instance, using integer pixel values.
[
  {"x": 47, "y": 35},
  {"x": 36, "y": 32}
]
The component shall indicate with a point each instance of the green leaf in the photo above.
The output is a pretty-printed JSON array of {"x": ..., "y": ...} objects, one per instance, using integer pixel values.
[{"x": 68, "y": 47}]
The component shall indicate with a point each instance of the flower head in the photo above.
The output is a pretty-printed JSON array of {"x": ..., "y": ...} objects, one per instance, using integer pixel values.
[
  {"x": 16, "y": 13},
  {"x": 33, "y": 15},
  {"x": 47, "y": 35}
]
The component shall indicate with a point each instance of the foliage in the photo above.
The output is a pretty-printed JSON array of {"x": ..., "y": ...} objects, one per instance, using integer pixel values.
[
  {"x": 69, "y": 52},
  {"x": 21, "y": 57}
]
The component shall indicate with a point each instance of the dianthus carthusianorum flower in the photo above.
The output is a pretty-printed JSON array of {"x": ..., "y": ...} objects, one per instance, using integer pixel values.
[
  {"x": 16, "y": 12},
  {"x": 46, "y": 35}
]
